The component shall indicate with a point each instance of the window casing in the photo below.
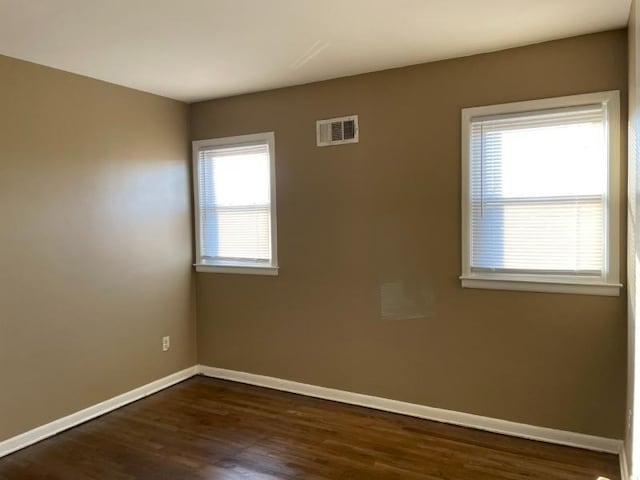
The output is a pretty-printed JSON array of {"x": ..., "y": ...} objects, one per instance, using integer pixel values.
[
  {"x": 235, "y": 208},
  {"x": 540, "y": 195}
]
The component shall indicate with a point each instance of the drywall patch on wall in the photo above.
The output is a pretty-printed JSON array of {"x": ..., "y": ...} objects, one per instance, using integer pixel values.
[{"x": 406, "y": 299}]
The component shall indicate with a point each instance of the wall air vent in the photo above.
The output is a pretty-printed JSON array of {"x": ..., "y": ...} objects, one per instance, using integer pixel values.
[{"x": 337, "y": 131}]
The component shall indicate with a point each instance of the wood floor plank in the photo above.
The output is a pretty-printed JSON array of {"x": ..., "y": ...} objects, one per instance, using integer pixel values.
[{"x": 206, "y": 429}]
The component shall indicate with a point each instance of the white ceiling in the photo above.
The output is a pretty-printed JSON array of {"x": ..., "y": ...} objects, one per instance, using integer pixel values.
[{"x": 198, "y": 49}]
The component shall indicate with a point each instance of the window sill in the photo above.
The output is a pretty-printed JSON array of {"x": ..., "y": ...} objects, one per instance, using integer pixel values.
[
  {"x": 541, "y": 285},
  {"x": 237, "y": 269}
]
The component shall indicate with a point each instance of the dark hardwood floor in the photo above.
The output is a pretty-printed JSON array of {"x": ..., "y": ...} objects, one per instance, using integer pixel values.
[{"x": 217, "y": 430}]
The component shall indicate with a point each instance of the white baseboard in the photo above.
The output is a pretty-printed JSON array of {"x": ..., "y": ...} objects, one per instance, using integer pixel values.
[
  {"x": 40, "y": 433},
  {"x": 624, "y": 465},
  {"x": 495, "y": 425},
  {"x": 505, "y": 427}
]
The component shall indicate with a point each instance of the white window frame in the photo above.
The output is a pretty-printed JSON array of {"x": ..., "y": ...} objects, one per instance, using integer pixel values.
[
  {"x": 242, "y": 268},
  {"x": 609, "y": 284}
]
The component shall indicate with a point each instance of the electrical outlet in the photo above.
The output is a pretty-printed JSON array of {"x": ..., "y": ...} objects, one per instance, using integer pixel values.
[
  {"x": 629, "y": 419},
  {"x": 166, "y": 343}
]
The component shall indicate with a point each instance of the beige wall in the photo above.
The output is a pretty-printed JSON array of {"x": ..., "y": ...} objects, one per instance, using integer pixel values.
[
  {"x": 95, "y": 241},
  {"x": 388, "y": 210}
]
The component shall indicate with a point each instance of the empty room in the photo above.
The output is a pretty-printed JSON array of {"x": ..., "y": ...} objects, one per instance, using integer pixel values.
[{"x": 293, "y": 239}]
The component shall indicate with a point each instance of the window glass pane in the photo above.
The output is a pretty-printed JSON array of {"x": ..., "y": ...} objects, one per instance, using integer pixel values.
[
  {"x": 553, "y": 161},
  {"x": 240, "y": 178}
]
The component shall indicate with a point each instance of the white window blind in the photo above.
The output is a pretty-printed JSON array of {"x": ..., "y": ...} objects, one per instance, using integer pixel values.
[
  {"x": 538, "y": 183},
  {"x": 234, "y": 205}
]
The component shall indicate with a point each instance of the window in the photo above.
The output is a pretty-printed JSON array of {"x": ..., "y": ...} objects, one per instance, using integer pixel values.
[
  {"x": 540, "y": 195},
  {"x": 235, "y": 204}
]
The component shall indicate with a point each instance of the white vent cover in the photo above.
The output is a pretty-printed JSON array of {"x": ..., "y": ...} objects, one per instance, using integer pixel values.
[{"x": 337, "y": 131}]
